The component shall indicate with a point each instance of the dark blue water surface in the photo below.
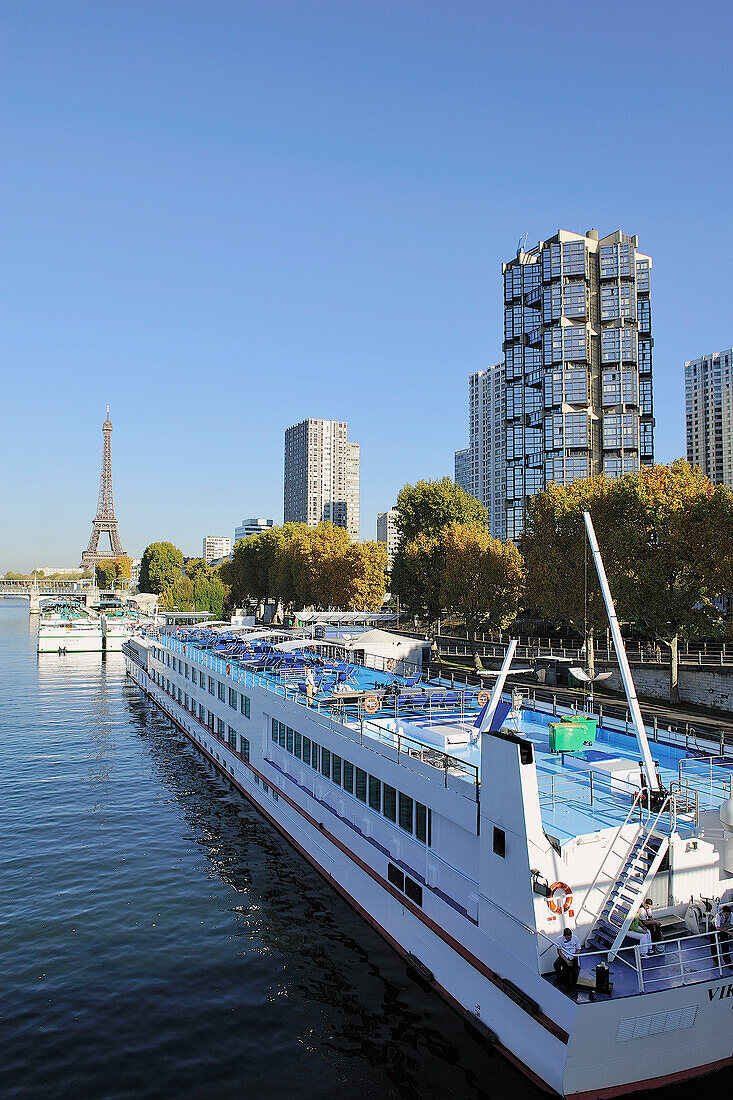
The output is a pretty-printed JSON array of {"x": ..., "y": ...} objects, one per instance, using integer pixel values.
[{"x": 160, "y": 939}]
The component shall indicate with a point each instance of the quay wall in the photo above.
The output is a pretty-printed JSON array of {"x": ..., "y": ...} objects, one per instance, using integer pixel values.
[{"x": 704, "y": 687}]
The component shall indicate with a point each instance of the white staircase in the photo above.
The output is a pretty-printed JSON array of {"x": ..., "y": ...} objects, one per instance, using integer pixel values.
[{"x": 628, "y": 891}]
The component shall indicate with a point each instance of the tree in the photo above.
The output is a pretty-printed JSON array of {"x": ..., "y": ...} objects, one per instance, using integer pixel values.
[
  {"x": 417, "y": 578},
  {"x": 562, "y": 585},
  {"x": 674, "y": 538},
  {"x": 105, "y": 573},
  {"x": 429, "y": 506},
  {"x": 367, "y": 582},
  {"x": 483, "y": 579},
  {"x": 160, "y": 567}
]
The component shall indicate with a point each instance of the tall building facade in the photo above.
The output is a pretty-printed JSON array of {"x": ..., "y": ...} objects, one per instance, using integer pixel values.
[
  {"x": 480, "y": 468},
  {"x": 252, "y": 527},
  {"x": 387, "y": 532},
  {"x": 578, "y": 355},
  {"x": 709, "y": 415},
  {"x": 462, "y": 469},
  {"x": 215, "y": 547},
  {"x": 322, "y": 475}
]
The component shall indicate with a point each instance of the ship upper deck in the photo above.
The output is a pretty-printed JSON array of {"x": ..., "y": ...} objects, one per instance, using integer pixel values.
[{"x": 431, "y": 726}]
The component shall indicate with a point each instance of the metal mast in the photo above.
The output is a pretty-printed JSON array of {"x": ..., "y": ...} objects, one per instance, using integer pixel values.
[
  {"x": 104, "y": 522},
  {"x": 623, "y": 661}
]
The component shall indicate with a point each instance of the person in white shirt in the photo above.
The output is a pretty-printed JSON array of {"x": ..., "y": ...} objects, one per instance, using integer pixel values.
[
  {"x": 724, "y": 925},
  {"x": 646, "y": 915},
  {"x": 567, "y": 963},
  {"x": 310, "y": 686}
]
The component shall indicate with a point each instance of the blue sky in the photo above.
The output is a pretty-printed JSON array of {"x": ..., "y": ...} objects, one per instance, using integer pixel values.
[{"x": 224, "y": 217}]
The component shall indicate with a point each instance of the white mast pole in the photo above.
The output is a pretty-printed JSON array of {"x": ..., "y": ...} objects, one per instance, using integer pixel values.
[
  {"x": 623, "y": 661},
  {"x": 498, "y": 686}
]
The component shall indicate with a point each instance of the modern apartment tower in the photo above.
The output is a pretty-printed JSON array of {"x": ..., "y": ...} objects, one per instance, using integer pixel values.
[
  {"x": 578, "y": 354},
  {"x": 709, "y": 415},
  {"x": 254, "y": 526},
  {"x": 322, "y": 475},
  {"x": 387, "y": 532},
  {"x": 462, "y": 469},
  {"x": 215, "y": 547}
]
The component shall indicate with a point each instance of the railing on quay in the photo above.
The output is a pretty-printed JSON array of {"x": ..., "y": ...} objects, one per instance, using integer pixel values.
[{"x": 335, "y": 718}]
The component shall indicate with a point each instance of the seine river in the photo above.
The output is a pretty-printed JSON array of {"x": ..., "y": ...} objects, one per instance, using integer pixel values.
[{"x": 159, "y": 939}]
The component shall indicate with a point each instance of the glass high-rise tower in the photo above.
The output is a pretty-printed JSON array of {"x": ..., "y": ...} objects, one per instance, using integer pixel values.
[{"x": 578, "y": 356}]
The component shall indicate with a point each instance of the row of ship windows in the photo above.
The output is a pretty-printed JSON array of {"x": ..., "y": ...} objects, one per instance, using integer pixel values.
[{"x": 397, "y": 807}]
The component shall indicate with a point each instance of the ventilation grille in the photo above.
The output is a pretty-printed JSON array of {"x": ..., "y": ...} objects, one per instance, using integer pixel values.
[{"x": 639, "y": 1027}]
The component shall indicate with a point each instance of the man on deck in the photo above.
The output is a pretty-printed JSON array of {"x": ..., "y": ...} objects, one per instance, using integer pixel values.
[{"x": 567, "y": 964}]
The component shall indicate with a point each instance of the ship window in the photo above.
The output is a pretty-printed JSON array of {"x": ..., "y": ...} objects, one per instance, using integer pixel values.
[
  {"x": 281, "y": 734},
  {"x": 421, "y": 822},
  {"x": 185, "y": 701},
  {"x": 202, "y": 679},
  {"x": 274, "y": 730},
  {"x": 389, "y": 807},
  {"x": 289, "y": 739},
  {"x": 222, "y": 694},
  {"x": 336, "y": 768},
  {"x": 405, "y": 812},
  {"x": 375, "y": 793},
  {"x": 306, "y": 750},
  {"x": 314, "y": 755},
  {"x": 245, "y": 748},
  {"x": 361, "y": 785},
  {"x": 244, "y": 705},
  {"x": 298, "y": 745},
  {"x": 326, "y": 763},
  {"x": 499, "y": 842},
  {"x": 220, "y": 727},
  {"x": 210, "y": 720},
  {"x": 413, "y": 890},
  {"x": 232, "y": 735},
  {"x": 232, "y": 698},
  {"x": 395, "y": 876},
  {"x": 185, "y": 671},
  {"x": 348, "y": 777},
  {"x": 212, "y": 688},
  {"x": 168, "y": 659}
]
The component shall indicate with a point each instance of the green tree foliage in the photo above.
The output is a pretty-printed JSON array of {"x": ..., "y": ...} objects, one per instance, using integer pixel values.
[
  {"x": 562, "y": 585},
  {"x": 303, "y": 566},
  {"x": 417, "y": 577},
  {"x": 666, "y": 535},
  {"x": 160, "y": 567},
  {"x": 674, "y": 531},
  {"x": 429, "y": 506},
  {"x": 105, "y": 573},
  {"x": 483, "y": 579}
]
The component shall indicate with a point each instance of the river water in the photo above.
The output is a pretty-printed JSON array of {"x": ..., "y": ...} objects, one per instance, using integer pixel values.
[{"x": 160, "y": 939}]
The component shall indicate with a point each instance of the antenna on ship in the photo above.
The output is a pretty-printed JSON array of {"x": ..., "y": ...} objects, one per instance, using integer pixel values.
[{"x": 623, "y": 661}]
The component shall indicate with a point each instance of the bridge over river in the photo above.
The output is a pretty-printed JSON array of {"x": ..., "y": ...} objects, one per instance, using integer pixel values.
[{"x": 39, "y": 590}]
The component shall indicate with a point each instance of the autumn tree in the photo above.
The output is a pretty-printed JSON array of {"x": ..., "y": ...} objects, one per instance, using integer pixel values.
[
  {"x": 562, "y": 585},
  {"x": 482, "y": 580},
  {"x": 160, "y": 567},
  {"x": 429, "y": 506},
  {"x": 674, "y": 547}
]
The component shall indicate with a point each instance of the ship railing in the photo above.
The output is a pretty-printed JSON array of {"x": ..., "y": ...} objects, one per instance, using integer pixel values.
[
  {"x": 602, "y": 794},
  {"x": 686, "y": 960},
  {"x": 709, "y": 781},
  {"x": 415, "y": 755}
]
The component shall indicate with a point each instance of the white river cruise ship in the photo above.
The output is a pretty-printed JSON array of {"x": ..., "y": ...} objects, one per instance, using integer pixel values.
[{"x": 470, "y": 835}]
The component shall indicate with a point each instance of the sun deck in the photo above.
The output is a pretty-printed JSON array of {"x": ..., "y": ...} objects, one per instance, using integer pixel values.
[{"x": 433, "y": 724}]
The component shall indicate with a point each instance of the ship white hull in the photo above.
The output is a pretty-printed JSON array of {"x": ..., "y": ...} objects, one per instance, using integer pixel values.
[
  {"x": 54, "y": 638},
  {"x": 574, "y": 1049}
]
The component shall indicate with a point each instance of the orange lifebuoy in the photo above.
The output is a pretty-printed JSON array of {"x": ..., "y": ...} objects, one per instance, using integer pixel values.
[
  {"x": 390, "y": 664},
  {"x": 483, "y": 698},
  {"x": 184, "y": 651},
  {"x": 229, "y": 670},
  {"x": 371, "y": 704},
  {"x": 560, "y": 904}
]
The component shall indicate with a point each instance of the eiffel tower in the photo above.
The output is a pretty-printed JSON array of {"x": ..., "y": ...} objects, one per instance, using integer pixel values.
[{"x": 104, "y": 522}]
